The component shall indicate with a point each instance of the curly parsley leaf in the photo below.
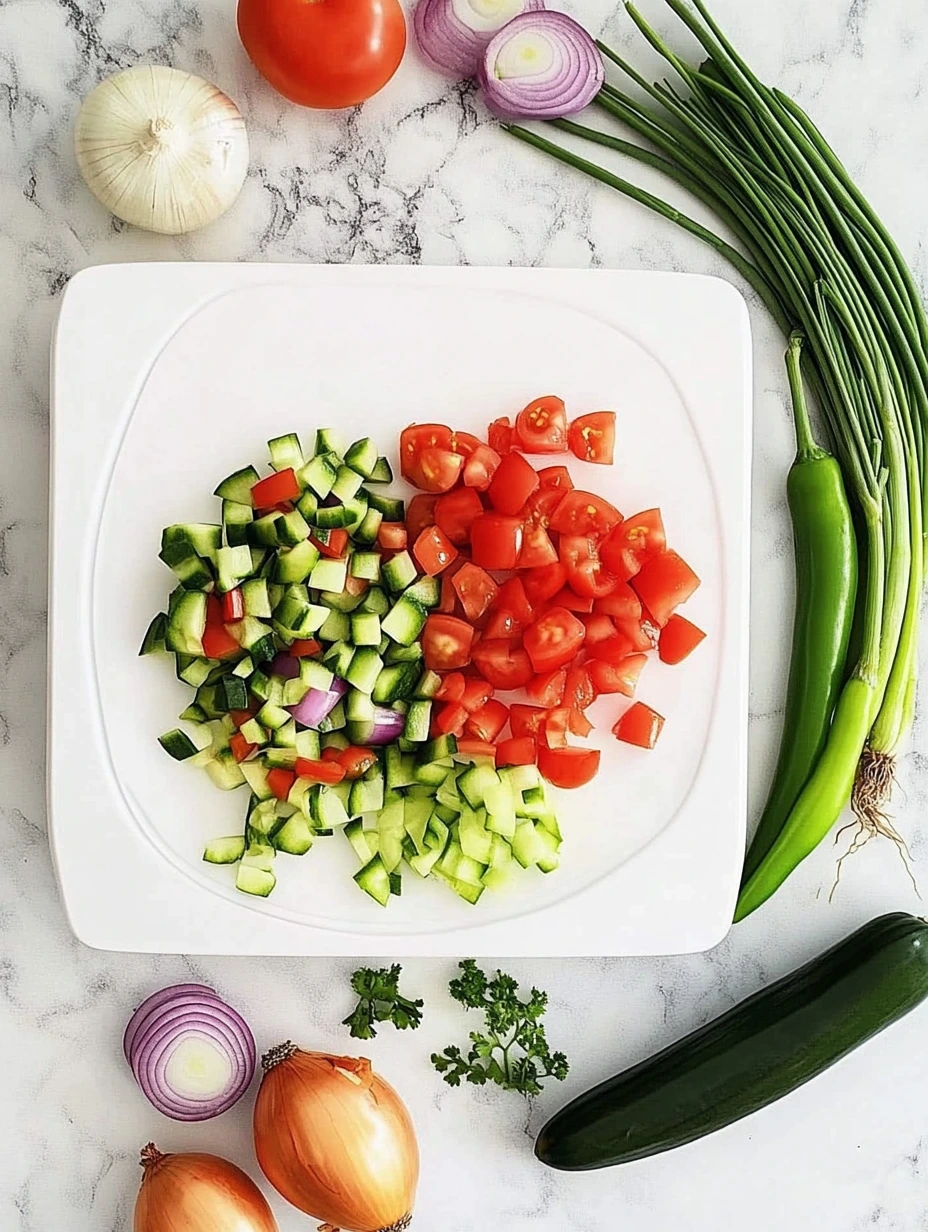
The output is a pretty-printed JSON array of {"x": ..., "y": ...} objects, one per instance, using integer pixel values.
[
  {"x": 513, "y": 1050},
  {"x": 380, "y": 1000}
]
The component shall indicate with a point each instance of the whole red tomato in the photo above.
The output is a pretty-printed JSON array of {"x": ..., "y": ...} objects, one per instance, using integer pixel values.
[{"x": 324, "y": 53}]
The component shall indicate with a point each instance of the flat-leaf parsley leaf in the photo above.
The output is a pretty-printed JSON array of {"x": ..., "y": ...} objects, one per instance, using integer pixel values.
[{"x": 380, "y": 1001}]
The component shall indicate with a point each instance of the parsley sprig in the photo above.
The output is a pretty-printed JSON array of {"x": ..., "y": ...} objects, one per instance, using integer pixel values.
[
  {"x": 513, "y": 1050},
  {"x": 380, "y": 1001}
]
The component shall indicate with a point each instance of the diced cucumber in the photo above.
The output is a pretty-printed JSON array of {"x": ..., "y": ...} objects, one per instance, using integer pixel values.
[
  {"x": 319, "y": 475},
  {"x": 437, "y": 749},
  {"x": 416, "y": 816},
  {"x": 549, "y": 822},
  {"x": 193, "y": 714},
  {"x": 405, "y": 620},
  {"x": 549, "y": 860},
  {"x": 307, "y": 744},
  {"x": 404, "y": 654},
  {"x": 346, "y": 485},
  {"x": 362, "y": 457},
  {"x": 526, "y": 845},
  {"x": 418, "y": 719},
  {"x": 286, "y": 452},
  {"x": 390, "y": 831},
  {"x": 233, "y": 565},
  {"x": 238, "y": 485},
  {"x": 296, "y": 564},
  {"x": 398, "y": 767},
  {"x": 338, "y": 658},
  {"x": 359, "y": 706},
  {"x": 365, "y": 629},
  {"x": 187, "y": 624},
  {"x": 334, "y": 740},
  {"x": 277, "y": 758},
  {"x": 426, "y": 592},
  {"x": 315, "y": 675},
  {"x": 154, "y": 640},
  {"x": 333, "y": 517},
  {"x": 193, "y": 671},
  {"x": 341, "y": 601},
  {"x": 520, "y": 778},
  {"x": 329, "y": 574},
  {"x": 428, "y": 684},
  {"x": 370, "y": 526},
  {"x": 366, "y": 566},
  {"x": 374, "y": 600},
  {"x": 500, "y": 805},
  {"x": 308, "y": 505},
  {"x": 199, "y": 538},
  {"x": 254, "y": 881},
  {"x": 359, "y": 731},
  {"x": 329, "y": 440},
  {"x": 326, "y": 808},
  {"x": 236, "y": 519},
  {"x": 253, "y": 732},
  {"x": 295, "y": 836},
  {"x": 244, "y": 668},
  {"x": 381, "y": 473},
  {"x": 366, "y": 796},
  {"x": 263, "y": 531},
  {"x": 374, "y": 880},
  {"x": 399, "y": 572},
  {"x": 294, "y": 691},
  {"x": 336, "y": 627},
  {"x": 292, "y": 528},
  {"x": 225, "y": 771},
  {"x": 357, "y": 508},
  {"x": 476, "y": 841},
  {"x": 392, "y": 508},
  {"x": 298, "y": 619},
  {"x": 178, "y": 744},
  {"x": 234, "y": 693},
  {"x": 533, "y": 803},
  {"x": 364, "y": 842},
  {"x": 432, "y": 775},
  {"x": 224, "y": 850},
  {"x": 272, "y": 717},
  {"x": 474, "y": 782},
  {"x": 335, "y": 720},
  {"x": 366, "y": 665},
  {"x": 455, "y": 864}
]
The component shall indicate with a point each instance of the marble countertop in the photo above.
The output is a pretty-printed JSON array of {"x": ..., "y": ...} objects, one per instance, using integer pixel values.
[{"x": 420, "y": 175}]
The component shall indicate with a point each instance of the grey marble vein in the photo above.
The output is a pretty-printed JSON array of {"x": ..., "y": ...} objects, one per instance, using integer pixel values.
[{"x": 421, "y": 175}]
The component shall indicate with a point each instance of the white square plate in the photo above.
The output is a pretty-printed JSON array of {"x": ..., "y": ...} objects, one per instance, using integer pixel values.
[{"x": 168, "y": 377}]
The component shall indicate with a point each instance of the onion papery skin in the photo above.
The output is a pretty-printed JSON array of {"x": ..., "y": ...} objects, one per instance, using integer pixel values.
[
  {"x": 572, "y": 80},
  {"x": 336, "y": 1140},
  {"x": 198, "y": 1193}
]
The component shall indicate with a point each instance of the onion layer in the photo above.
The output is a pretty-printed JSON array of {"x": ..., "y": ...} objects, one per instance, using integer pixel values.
[
  {"x": 318, "y": 703},
  {"x": 453, "y": 33},
  {"x": 198, "y": 1193},
  {"x": 336, "y": 1140},
  {"x": 540, "y": 66},
  {"x": 192, "y": 1055}
]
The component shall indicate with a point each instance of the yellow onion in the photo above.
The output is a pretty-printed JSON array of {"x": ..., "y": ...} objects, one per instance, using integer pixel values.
[
  {"x": 336, "y": 1140},
  {"x": 198, "y": 1193}
]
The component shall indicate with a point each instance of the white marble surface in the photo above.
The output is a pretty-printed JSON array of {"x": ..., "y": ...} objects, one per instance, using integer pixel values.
[{"x": 420, "y": 175}]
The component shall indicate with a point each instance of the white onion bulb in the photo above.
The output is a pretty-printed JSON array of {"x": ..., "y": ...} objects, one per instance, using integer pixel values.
[{"x": 162, "y": 149}]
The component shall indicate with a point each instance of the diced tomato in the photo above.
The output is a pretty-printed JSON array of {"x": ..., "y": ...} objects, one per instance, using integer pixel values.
[
  {"x": 513, "y": 484},
  {"x": 622, "y": 603},
  {"x": 572, "y": 601},
  {"x": 476, "y": 590},
  {"x": 554, "y": 640},
  {"x": 455, "y": 513},
  {"x": 356, "y": 586},
  {"x": 568, "y": 767},
  {"x": 582, "y": 513},
  {"x": 512, "y": 598},
  {"x": 613, "y": 649},
  {"x": 542, "y": 426},
  {"x": 499, "y": 435},
  {"x": 213, "y": 610},
  {"x": 632, "y": 542},
  {"x": 304, "y": 648},
  {"x": 619, "y": 677},
  {"x": 578, "y": 688},
  {"x": 664, "y": 582},
  {"x": 439, "y": 469},
  {"x": 446, "y": 642},
  {"x": 280, "y": 781},
  {"x": 392, "y": 535},
  {"x": 679, "y": 638},
  {"x": 434, "y": 550},
  {"x": 320, "y": 771},
  {"x": 331, "y": 753},
  {"x": 452, "y": 688},
  {"x": 449, "y": 596},
  {"x": 450, "y": 719},
  {"x": 599, "y": 629},
  {"x": 537, "y": 549},
  {"x": 585, "y": 571},
  {"x": 578, "y": 723},
  {"x": 540, "y": 506},
  {"x": 592, "y": 437},
  {"x": 544, "y": 582},
  {"x": 281, "y": 486},
  {"x": 520, "y": 751},
  {"x": 505, "y": 666},
  {"x": 547, "y": 690},
  {"x": 356, "y": 760},
  {"x": 487, "y": 722},
  {"x": 555, "y": 727},
  {"x": 241, "y": 748},
  {"x": 496, "y": 541},
  {"x": 465, "y": 443},
  {"x": 284, "y": 507},
  {"x": 526, "y": 720},
  {"x": 556, "y": 477},
  {"x": 420, "y": 513},
  {"x": 477, "y": 748},
  {"x": 639, "y": 725},
  {"x": 332, "y": 543},
  {"x": 218, "y": 642},
  {"x": 477, "y": 692},
  {"x": 239, "y": 717},
  {"x": 233, "y": 606},
  {"x": 502, "y": 623},
  {"x": 414, "y": 441},
  {"x": 480, "y": 468},
  {"x": 641, "y": 635}
]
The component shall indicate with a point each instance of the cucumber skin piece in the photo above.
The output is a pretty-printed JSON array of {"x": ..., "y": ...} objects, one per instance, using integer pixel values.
[{"x": 755, "y": 1053}]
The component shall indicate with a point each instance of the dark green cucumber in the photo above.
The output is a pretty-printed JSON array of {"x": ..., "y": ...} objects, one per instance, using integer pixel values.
[{"x": 757, "y": 1052}]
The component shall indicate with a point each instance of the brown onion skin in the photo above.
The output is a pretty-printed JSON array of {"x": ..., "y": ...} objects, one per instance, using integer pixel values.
[
  {"x": 198, "y": 1193},
  {"x": 342, "y": 1151}
]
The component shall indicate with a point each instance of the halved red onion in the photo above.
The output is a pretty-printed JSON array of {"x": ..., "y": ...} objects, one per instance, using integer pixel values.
[
  {"x": 285, "y": 666},
  {"x": 453, "y": 33},
  {"x": 540, "y": 66},
  {"x": 318, "y": 703},
  {"x": 389, "y": 725},
  {"x": 191, "y": 1053}
]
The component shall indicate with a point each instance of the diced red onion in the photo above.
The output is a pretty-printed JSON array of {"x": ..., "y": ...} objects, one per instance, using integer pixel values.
[
  {"x": 318, "y": 703},
  {"x": 191, "y": 1053},
  {"x": 389, "y": 725},
  {"x": 540, "y": 66},
  {"x": 453, "y": 33},
  {"x": 285, "y": 666}
]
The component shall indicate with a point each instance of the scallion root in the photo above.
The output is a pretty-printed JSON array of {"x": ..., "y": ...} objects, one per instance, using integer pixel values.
[{"x": 873, "y": 787}]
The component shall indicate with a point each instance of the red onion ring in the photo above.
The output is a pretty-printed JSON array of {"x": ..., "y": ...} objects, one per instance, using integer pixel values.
[
  {"x": 389, "y": 725},
  {"x": 450, "y": 42},
  {"x": 185, "y": 1016},
  {"x": 564, "y": 87},
  {"x": 318, "y": 703}
]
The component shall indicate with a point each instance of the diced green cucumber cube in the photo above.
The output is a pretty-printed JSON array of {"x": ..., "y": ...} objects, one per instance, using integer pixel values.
[
  {"x": 374, "y": 600},
  {"x": 346, "y": 485},
  {"x": 224, "y": 850},
  {"x": 382, "y": 472},
  {"x": 418, "y": 718},
  {"x": 336, "y": 627},
  {"x": 474, "y": 782},
  {"x": 362, "y": 457},
  {"x": 286, "y": 452},
  {"x": 233, "y": 565},
  {"x": 154, "y": 639},
  {"x": 399, "y": 572},
  {"x": 405, "y": 620},
  {"x": 236, "y": 519},
  {"x": 296, "y": 564},
  {"x": 178, "y": 744},
  {"x": 187, "y": 624},
  {"x": 307, "y": 744},
  {"x": 292, "y": 528},
  {"x": 367, "y": 532},
  {"x": 328, "y": 574},
  {"x": 254, "y": 881},
  {"x": 225, "y": 771},
  {"x": 319, "y": 475},
  {"x": 392, "y": 508},
  {"x": 374, "y": 880},
  {"x": 365, "y": 629},
  {"x": 238, "y": 485},
  {"x": 295, "y": 836},
  {"x": 426, "y": 592},
  {"x": 366, "y": 665},
  {"x": 366, "y": 565}
]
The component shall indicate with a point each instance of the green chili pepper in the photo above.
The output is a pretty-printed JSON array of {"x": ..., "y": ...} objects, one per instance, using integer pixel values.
[{"x": 826, "y": 586}]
